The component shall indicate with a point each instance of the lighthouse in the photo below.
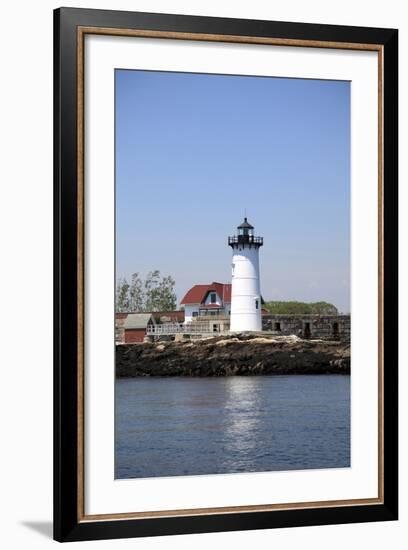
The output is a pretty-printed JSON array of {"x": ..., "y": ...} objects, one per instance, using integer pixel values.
[{"x": 246, "y": 290}]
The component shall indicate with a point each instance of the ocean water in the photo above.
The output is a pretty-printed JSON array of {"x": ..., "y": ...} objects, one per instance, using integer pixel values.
[{"x": 191, "y": 426}]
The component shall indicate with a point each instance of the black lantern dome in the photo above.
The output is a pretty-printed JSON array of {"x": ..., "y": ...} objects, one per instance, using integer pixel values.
[
  {"x": 245, "y": 236},
  {"x": 245, "y": 225}
]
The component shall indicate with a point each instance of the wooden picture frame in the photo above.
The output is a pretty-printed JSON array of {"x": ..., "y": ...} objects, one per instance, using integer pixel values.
[{"x": 70, "y": 27}]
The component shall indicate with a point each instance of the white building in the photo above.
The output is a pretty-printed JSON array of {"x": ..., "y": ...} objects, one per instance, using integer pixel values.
[
  {"x": 212, "y": 300},
  {"x": 246, "y": 298}
]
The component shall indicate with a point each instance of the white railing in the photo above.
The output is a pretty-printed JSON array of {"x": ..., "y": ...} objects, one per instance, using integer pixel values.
[{"x": 180, "y": 328}]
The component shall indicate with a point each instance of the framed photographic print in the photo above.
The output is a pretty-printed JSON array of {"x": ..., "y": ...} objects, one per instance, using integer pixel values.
[{"x": 225, "y": 274}]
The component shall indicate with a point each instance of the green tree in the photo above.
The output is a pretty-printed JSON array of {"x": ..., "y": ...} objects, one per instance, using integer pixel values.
[
  {"x": 167, "y": 299},
  {"x": 159, "y": 292},
  {"x": 122, "y": 295},
  {"x": 155, "y": 293},
  {"x": 136, "y": 293}
]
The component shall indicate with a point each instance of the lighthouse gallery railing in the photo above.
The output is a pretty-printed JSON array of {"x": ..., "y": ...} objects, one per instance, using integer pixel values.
[{"x": 245, "y": 239}]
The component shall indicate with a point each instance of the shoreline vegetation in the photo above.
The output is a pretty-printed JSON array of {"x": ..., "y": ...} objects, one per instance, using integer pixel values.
[
  {"x": 243, "y": 354},
  {"x": 300, "y": 308}
]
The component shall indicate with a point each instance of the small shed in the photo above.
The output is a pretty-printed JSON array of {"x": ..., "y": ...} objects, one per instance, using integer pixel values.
[{"x": 135, "y": 326}]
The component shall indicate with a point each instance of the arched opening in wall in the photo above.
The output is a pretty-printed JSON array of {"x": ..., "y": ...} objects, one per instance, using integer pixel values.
[
  {"x": 335, "y": 329},
  {"x": 306, "y": 330},
  {"x": 278, "y": 326}
]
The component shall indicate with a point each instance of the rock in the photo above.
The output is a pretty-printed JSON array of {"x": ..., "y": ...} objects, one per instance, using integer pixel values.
[{"x": 238, "y": 354}]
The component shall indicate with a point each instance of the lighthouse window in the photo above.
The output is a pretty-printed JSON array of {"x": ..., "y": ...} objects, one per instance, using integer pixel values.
[
  {"x": 256, "y": 304},
  {"x": 213, "y": 297}
]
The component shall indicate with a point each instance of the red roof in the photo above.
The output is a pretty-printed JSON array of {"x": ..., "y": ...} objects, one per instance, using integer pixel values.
[{"x": 198, "y": 293}]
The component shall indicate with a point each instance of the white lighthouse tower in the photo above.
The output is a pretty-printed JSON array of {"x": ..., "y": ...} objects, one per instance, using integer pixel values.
[{"x": 246, "y": 290}]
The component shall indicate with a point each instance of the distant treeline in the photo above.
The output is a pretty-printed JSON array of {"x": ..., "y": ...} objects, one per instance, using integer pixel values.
[{"x": 301, "y": 308}]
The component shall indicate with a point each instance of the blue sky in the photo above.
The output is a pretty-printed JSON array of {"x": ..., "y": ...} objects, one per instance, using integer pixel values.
[{"x": 194, "y": 151}]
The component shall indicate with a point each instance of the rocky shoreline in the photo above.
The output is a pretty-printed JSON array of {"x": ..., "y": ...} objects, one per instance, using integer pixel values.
[{"x": 242, "y": 354}]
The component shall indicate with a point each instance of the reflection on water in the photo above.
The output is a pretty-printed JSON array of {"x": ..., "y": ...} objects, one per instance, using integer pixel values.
[
  {"x": 241, "y": 416},
  {"x": 190, "y": 426}
]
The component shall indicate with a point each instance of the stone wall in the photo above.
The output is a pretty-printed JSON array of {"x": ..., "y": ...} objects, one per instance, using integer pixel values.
[
  {"x": 120, "y": 319},
  {"x": 313, "y": 326}
]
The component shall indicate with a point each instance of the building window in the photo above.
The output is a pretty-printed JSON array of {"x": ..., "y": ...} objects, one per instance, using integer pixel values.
[
  {"x": 195, "y": 313},
  {"x": 213, "y": 298},
  {"x": 256, "y": 304},
  {"x": 335, "y": 329},
  {"x": 277, "y": 326}
]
